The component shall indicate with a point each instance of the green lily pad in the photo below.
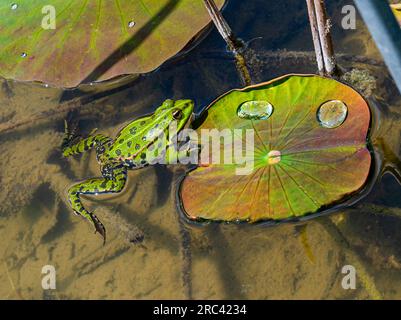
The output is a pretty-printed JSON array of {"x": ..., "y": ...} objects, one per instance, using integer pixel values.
[
  {"x": 93, "y": 39},
  {"x": 310, "y": 154}
]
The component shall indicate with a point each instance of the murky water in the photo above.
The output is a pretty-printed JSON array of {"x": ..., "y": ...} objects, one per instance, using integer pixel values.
[{"x": 177, "y": 260}]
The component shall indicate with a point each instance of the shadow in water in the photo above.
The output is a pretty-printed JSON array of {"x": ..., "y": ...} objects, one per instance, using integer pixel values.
[
  {"x": 164, "y": 178},
  {"x": 134, "y": 42},
  {"x": 63, "y": 224},
  {"x": 42, "y": 197},
  {"x": 154, "y": 232},
  {"x": 223, "y": 259}
]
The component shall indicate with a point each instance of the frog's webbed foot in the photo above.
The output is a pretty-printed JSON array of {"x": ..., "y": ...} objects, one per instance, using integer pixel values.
[
  {"x": 99, "y": 227},
  {"x": 69, "y": 135}
]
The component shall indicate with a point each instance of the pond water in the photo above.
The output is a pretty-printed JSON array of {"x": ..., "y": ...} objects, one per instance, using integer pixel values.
[{"x": 177, "y": 260}]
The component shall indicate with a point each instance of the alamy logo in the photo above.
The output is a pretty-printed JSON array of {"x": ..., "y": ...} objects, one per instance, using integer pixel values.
[
  {"x": 211, "y": 146},
  {"x": 348, "y": 22},
  {"x": 349, "y": 280},
  {"x": 49, "y": 20},
  {"x": 49, "y": 278}
]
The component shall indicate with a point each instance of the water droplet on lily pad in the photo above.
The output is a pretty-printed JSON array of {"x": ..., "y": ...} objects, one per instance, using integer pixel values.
[
  {"x": 255, "y": 110},
  {"x": 332, "y": 114},
  {"x": 24, "y": 55},
  {"x": 14, "y": 6}
]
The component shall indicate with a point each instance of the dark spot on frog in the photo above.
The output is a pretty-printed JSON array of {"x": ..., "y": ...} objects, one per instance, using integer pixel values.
[
  {"x": 118, "y": 152},
  {"x": 121, "y": 141},
  {"x": 143, "y": 156},
  {"x": 103, "y": 185},
  {"x": 137, "y": 146},
  {"x": 77, "y": 200},
  {"x": 142, "y": 123},
  {"x": 129, "y": 144}
]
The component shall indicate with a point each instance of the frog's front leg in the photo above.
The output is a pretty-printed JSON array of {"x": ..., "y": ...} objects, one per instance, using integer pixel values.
[
  {"x": 70, "y": 148},
  {"x": 113, "y": 181}
]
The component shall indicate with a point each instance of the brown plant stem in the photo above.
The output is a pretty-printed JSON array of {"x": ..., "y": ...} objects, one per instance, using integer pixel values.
[
  {"x": 315, "y": 36},
  {"x": 324, "y": 25},
  {"x": 222, "y": 25},
  {"x": 234, "y": 45},
  {"x": 322, "y": 41}
]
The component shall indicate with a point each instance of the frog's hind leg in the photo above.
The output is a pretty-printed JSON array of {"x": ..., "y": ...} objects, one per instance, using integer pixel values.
[
  {"x": 112, "y": 182},
  {"x": 70, "y": 148}
]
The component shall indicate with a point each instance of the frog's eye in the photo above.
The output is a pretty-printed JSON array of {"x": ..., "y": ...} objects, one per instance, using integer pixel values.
[{"x": 177, "y": 114}]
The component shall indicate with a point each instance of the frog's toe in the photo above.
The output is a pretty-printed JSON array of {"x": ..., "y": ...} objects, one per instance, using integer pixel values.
[{"x": 65, "y": 126}]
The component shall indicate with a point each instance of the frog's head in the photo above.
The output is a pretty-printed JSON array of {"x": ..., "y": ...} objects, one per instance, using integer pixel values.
[{"x": 179, "y": 110}]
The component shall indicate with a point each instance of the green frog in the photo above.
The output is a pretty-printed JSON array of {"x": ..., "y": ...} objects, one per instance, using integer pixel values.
[{"x": 129, "y": 150}]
